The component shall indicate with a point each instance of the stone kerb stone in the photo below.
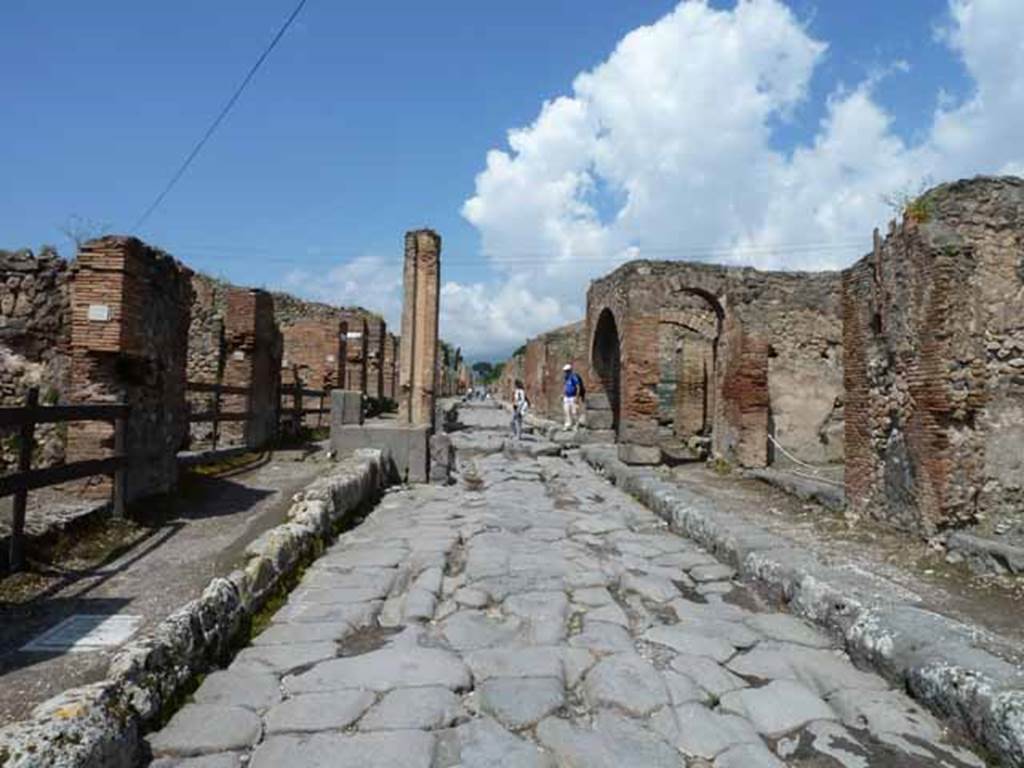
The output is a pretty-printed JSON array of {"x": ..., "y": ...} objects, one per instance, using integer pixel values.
[
  {"x": 102, "y": 724},
  {"x": 932, "y": 656}
]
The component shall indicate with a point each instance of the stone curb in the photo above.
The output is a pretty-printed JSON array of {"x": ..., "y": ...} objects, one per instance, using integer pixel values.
[
  {"x": 935, "y": 658},
  {"x": 101, "y": 725}
]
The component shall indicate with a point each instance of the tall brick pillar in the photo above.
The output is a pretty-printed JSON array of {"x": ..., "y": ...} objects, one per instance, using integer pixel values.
[
  {"x": 253, "y": 349},
  {"x": 130, "y": 307},
  {"x": 638, "y": 425},
  {"x": 389, "y": 373},
  {"x": 418, "y": 352},
  {"x": 376, "y": 332},
  {"x": 355, "y": 365}
]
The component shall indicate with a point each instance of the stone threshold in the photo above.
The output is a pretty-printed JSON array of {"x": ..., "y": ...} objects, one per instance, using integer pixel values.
[
  {"x": 935, "y": 658},
  {"x": 103, "y": 724}
]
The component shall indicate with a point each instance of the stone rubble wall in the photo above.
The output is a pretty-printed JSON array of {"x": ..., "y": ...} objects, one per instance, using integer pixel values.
[
  {"x": 934, "y": 331},
  {"x": 102, "y": 725},
  {"x": 35, "y": 333}
]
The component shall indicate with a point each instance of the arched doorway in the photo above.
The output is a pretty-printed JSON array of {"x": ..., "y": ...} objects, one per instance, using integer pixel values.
[
  {"x": 606, "y": 361},
  {"x": 688, "y": 339}
]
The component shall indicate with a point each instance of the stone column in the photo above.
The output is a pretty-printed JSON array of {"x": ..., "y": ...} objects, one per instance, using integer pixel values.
[
  {"x": 376, "y": 334},
  {"x": 355, "y": 365},
  {"x": 418, "y": 350}
]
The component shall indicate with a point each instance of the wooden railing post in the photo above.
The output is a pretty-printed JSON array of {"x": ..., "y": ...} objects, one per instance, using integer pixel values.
[
  {"x": 120, "y": 489},
  {"x": 26, "y": 438},
  {"x": 216, "y": 413}
]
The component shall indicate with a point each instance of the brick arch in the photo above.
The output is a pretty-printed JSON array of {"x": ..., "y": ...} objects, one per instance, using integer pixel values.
[{"x": 606, "y": 360}]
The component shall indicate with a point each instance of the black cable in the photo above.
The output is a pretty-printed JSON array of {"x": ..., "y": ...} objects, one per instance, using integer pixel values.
[{"x": 223, "y": 113}]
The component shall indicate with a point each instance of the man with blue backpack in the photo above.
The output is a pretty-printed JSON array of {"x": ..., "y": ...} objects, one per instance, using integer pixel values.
[{"x": 573, "y": 399}]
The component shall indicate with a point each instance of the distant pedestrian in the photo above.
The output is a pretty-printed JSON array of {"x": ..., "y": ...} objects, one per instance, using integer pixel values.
[
  {"x": 519, "y": 407},
  {"x": 573, "y": 397}
]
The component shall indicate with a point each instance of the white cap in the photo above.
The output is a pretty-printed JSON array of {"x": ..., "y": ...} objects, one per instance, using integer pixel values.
[{"x": 567, "y": 367}]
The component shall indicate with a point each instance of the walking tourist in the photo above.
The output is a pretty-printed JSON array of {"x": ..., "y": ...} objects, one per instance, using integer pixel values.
[
  {"x": 573, "y": 397},
  {"x": 519, "y": 406}
]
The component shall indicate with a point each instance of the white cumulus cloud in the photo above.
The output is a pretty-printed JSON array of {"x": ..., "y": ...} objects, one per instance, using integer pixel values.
[{"x": 667, "y": 148}]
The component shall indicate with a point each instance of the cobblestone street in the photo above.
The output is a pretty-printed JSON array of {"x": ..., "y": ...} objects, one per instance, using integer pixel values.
[{"x": 533, "y": 615}]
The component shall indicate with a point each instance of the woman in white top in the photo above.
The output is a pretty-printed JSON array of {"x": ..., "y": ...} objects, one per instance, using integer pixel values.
[{"x": 519, "y": 406}]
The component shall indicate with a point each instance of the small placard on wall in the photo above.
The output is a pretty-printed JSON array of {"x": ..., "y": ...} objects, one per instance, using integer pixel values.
[
  {"x": 330, "y": 358},
  {"x": 99, "y": 312},
  {"x": 238, "y": 354},
  {"x": 355, "y": 334}
]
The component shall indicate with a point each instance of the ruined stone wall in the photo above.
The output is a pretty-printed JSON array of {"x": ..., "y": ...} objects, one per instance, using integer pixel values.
[
  {"x": 934, "y": 348},
  {"x": 542, "y": 373},
  {"x": 130, "y": 306},
  {"x": 390, "y": 367},
  {"x": 515, "y": 368},
  {"x": 35, "y": 328},
  {"x": 723, "y": 354}
]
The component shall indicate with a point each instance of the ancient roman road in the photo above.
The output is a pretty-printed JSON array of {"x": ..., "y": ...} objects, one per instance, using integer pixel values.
[{"x": 533, "y": 615}]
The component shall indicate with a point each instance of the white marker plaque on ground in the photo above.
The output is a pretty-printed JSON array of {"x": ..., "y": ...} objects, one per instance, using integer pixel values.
[{"x": 85, "y": 632}]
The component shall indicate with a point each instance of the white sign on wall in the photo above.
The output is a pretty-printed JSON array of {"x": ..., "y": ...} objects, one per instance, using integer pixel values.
[
  {"x": 355, "y": 334},
  {"x": 99, "y": 312},
  {"x": 330, "y": 358},
  {"x": 239, "y": 354}
]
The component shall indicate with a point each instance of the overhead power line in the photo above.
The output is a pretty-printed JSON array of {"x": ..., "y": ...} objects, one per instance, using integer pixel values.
[{"x": 219, "y": 119}]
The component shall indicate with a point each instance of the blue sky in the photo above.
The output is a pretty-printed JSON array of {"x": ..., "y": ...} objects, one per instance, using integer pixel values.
[{"x": 370, "y": 119}]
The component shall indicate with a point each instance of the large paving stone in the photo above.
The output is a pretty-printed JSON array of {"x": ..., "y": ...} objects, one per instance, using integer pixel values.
[
  {"x": 748, "y": 756},
  {"x": 653, "y": 588},
  {"x": 288, "y": 634},
  {"x": 199, "y": 729},
  {"x": 282, "y": 659},
  {"x": 318, "y": 711},
  {"x": 821, "y": 670},
  {"x": 387, "y": 749},
  {"x": 777, "y": 708},
  {"x": 708, "y": 674},
  {"x": 612, "y": 742},
  {"x": 253, "y": 689},
  {"x": 611, "y": 613},
  {"x": 383, "y": 670},
  {"x": 536, "y": 661},
  {"x": 518, "y": 702},
  {"x": 356, "y": 614},
  {"x": 470, "y": 630},
  {"x": 712, "y": 572},
  {"x": 603, "y": 637},
  {"x": 682, "y": 690},
  {"x": 482, "y": 743},
  {"x": 700, "y": 732},
  {"x": 788, "y": 629},
  {"x": 592, "y": 597},
  {"x": 427, "y": 708},
  {"x": 682, "y": 640},
  {"x": 885, "y": 712},
  {"x": 222, "y": 760},
  {"x": 363, "y": 558},
  {"x": 626, "y": 681}
]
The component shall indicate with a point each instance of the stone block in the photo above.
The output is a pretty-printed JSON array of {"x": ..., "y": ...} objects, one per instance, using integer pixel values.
[
  {"x": 599, "y": 419},
  {"x": 631, "y": 453},
  {"x": 407, "y": 447},
  {"x": 442, "y": 459},
  {"x": 346, "y": 407}
]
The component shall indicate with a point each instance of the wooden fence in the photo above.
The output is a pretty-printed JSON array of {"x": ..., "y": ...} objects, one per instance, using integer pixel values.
[
  {"x": 26, "y": 479},
  {"x": 290, "y": 418}
]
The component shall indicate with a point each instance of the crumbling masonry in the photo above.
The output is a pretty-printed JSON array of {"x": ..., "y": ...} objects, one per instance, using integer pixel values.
[{"x": 907, "y": 368}]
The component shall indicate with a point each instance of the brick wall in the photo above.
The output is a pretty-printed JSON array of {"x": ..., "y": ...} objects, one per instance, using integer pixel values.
[
  {"x": 670, "y": 315},
  {"x": 376, "y": 333},
  {"x": 389, "y": 371},
  {"x": 130, "y": 307},
  {"x": 253, "y": 352}
]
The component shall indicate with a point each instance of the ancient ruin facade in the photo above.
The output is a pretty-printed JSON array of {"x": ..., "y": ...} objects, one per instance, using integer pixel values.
[
  {"x": 905, "y": 372},
  {"x": 419, "y": 348},
  {"x": 130, "y": 307},
  {"x": 934, "y": 350},
  {"x": 376, "y": 332},
  {"x": 389, "y": 373},
  {"x": 696, "y": 359}
]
